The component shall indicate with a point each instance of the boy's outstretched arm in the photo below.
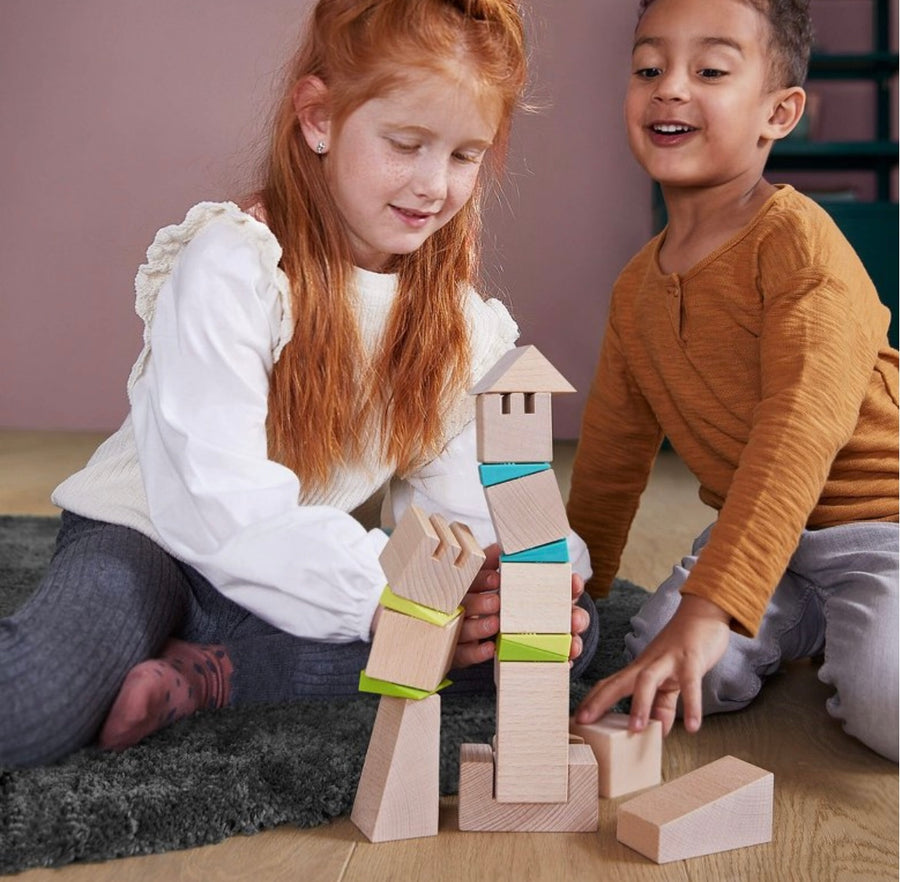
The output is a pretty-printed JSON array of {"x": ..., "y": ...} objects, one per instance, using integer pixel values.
[{"x": 673, "y": 664}]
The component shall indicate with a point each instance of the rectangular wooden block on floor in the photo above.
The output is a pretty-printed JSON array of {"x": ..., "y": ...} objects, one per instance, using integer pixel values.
[
  {"x": 430, "y": 561},
  {"x": 723, "y": 805},
  {"x": 411, "y": 651},
  {"x": 528, "y": 511},
  {"x": 398, "y": 794},
  {"x": 514, "y": 427},
  {"x": 626, "y": 761},
  {"x": 479, "y": 810},
  {"x": 535, "y": 597},
  {"x": 532, "y": 741}
]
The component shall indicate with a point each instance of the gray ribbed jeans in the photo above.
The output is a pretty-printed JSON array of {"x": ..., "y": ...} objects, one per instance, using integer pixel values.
[{"x": 110, "y": 599}]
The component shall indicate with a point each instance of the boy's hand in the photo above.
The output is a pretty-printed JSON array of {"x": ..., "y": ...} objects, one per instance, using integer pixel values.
[
  {"x": 673, "y": 664},
  {"x": 482, "y": 616}
]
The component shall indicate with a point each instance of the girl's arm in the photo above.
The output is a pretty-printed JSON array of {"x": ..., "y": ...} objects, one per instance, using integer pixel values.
[{"x": 216, "y": 499}]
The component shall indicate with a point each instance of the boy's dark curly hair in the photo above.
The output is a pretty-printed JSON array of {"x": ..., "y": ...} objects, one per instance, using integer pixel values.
[{"x": 790, "y": 38}]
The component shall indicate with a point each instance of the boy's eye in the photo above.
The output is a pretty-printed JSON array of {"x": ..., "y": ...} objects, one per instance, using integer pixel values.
[
  {"x": 647, "y": 73},
  {"x": 711, "y": 73}
]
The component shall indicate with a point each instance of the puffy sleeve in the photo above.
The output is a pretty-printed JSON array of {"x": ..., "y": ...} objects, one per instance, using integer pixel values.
[{"x": 217, "y": 501}]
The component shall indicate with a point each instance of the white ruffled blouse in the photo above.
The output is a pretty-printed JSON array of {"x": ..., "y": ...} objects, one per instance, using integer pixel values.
[{"x": 189, "y": 467}]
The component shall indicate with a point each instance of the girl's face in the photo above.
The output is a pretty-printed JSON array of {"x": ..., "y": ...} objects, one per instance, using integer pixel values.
[
  {"x": 697, "y": 102},
  {"x": 402, "y": 165}
]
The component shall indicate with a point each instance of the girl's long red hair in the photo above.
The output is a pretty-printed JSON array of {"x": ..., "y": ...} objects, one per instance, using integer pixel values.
[{"x": 323, "y": 395}]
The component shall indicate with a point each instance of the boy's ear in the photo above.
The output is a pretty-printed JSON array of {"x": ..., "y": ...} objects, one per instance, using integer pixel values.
[
  {"x": 786, "y": 109},
  {"x": 311, "y": 106}
]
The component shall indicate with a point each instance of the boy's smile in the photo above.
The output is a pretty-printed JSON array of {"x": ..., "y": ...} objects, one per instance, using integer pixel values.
[{"x": 697, "y": 101}]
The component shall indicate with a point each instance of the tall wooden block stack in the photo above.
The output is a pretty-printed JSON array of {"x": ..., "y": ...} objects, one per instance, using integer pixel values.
[
  {"x": 429, "y": 565},
  {"x": 534, "y": 768}
]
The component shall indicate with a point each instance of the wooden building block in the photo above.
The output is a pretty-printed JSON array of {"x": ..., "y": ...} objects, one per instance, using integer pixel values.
[
  {"x": 535, "y": 597},
  {"x": 513, "y": 427},
  {"x": 398, "y": 793},
  {"x": 626, "y": 761},
  {"x": 527, "y": 512},
  {"x": 522, "y": 369},
  {"x": 430, "y": 561},
  {"x": 532, "y": 741},
  {"x": 726, "y": 804},
  {"x": 411, "y": 651},
  {"x": 478, "y": 810}
]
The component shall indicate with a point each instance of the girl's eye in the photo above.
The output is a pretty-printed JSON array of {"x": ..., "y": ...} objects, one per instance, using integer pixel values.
[
  {"x": 404, "y": 146},
  {"x": 473, "y": 158}
]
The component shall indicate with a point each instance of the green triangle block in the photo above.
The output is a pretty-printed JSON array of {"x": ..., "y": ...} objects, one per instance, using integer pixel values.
[
  {"x": 501, "y": 472},
  {"x": 408, "y": 607},
  {"x": 534, "y": 647},
  {"x": 397, "y": 690},
  {"x": 552, "y": 552}
]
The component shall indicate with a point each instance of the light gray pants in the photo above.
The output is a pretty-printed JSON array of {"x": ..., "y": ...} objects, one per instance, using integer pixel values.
[{"x": 837, "y": 596}]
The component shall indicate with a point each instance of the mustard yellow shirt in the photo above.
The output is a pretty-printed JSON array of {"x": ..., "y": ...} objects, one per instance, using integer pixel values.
[{"x": 768, "y": 368}]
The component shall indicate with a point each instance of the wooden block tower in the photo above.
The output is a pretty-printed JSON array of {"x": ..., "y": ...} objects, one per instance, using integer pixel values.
[
  {"x": 539, "y": 780},
  {"x": 430, "y": 565}
]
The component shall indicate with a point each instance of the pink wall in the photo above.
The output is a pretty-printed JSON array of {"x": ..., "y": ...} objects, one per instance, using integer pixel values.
[{"x": 118, "y": 115}]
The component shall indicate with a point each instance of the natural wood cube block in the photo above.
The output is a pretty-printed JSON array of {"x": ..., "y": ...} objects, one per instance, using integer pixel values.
[
  {"x": 626, "y": 761},
  {"x": 532, "y": 743},
  {"x": 398, "y": 794},
  {"x": 726, "y": 804},
  {"x": 528, "y": 511},
  {"x": 479, "y": 810},
  {"x": 411, "y": 651},
  {"x": 535, "y": 597}
]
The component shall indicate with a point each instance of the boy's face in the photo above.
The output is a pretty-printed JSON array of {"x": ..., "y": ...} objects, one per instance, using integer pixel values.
[{"x": 697, "y": 100}]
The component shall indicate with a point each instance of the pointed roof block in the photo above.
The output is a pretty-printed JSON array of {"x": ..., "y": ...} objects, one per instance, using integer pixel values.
[{"x": 523, "y": 369}]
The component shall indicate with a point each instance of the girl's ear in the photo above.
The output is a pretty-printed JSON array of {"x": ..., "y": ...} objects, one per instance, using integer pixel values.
[
  {"x": 311, "y": 107},
  {"x": 786, "y": 109}
]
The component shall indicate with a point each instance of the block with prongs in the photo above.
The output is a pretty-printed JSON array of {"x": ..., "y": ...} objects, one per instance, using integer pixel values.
[{"x": 430, "y": 561}]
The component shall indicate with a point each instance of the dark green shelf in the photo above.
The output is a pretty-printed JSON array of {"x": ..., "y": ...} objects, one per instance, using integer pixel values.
[
  {"x": 869, "y": 65},
  {"x": 819, "y": 155}
]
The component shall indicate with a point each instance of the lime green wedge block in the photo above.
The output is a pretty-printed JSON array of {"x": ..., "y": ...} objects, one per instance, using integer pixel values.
[
  {"x": 385, "y": 687},
  {"x": 534, "y": 647},
  {"x": 408, "y": 607}
]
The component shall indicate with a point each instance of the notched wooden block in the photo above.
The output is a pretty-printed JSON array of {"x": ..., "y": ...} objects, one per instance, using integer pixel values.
[
  {"x": 479, "y": 810},
  {"x": 514, "y": 427},
  {"x": 430, "y": 561}
]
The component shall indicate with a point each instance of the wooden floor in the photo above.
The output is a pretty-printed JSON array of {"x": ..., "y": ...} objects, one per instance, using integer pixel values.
[{"x": 836, "y": 803}]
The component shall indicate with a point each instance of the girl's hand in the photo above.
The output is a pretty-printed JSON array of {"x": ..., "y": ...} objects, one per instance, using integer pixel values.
[
  {"x": 673, "y": 664},
  {"x": 482, "y": 615}
]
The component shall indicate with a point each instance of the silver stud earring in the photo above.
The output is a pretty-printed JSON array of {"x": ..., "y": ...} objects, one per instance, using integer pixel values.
[{"x": 320, "y": 147}]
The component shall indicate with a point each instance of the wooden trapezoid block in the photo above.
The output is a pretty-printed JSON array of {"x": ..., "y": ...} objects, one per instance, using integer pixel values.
[
  {"x": 535, "y": 597},
  {"x": 478, "y": 810},
  {"x": 398, "y": 793},
  {"x": 522, "y": 369},
  {"x": 527, "y": 512},
  {"x": 532, "y": 741},
  {"x": 724, "y": 805},
  {"x": 430, "y": 561},
  {"x": 513, "y": 427},
  {"x": 626, "y": 761},
  {"x": 411, "y": 651}
]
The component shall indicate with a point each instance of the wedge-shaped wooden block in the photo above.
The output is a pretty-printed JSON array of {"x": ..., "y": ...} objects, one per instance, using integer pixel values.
[
  {"x": 513, "y": 427},
  {"x": 535, "y": 597},
  {"x": 626, "y": 761},
  {"x": 528, "y": 511},
  {"x": 430, "y": 561},
  {"x": 532, "y": 742},
  {"x": 522, "y": 369},
  {"x": 726, "y": 804},
  {"x": 478, "y": 810},
  {"x": 398, "y": 793},
  {"x": 411, "y": 651}
]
